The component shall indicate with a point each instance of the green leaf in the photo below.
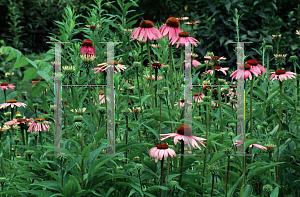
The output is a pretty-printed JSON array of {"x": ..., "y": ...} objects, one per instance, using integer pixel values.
[
  {"x": 247, "y": 191},
  {"x": 71, "y": 187},
  {"x": 110, "y": 191},
  {"x": 100, "y": 134},
  {"x": 157, "y": 187},
  {"x": 288, "y": 99},
  {"x": 37, "y": 89},
  {"x": 86, "y": 150},
  {"x": 40, "y": 193},
  {"x": 231, "y": 191},
  {"x": 275, "y": 192},
  {"x": 154, "y": 132},
  {"x": 276, "y": 93},
  {"x": 213, "y": 136},
  {"x": 44, "y": 75},
  {"x": 21, "y": 62},
  {"x": 72, "y": 164},
  {"x": 54, "y": 185},
  {"x": 29, "y": 74},
  {"x": 93, "y": 155},
  {"x": 260, "y": 170},
  {"x": 273, "y": 132},
  {"x": 216, "y": 157}
]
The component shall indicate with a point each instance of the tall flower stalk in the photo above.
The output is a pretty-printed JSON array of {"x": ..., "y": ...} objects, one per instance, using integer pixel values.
[{"x": 279, "y": 127}]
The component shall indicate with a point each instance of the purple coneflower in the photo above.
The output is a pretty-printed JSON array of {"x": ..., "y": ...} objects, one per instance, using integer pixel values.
[
  {"x": 281, "y": 75},
  {"x": 4, "y": 86},
  {"x": 171, "y": 28},
  {"x": 246, "y": 73},
  {"x": 160, "y": 151},
  {"x": 218, "y": 68},
  {"x": 198, "y": 97},
  {"x": 87, "y": 48},
  {"x": 184, "y": 39},
  {"x": 184, "y": 132},
  {"x": 147, "y": 31},
  {"x": 182, "y": 103},
  {"x": 37, "y": 125},
  {"x": 260, "y": 69},
  {"x": 12, "y": 103},
  {"x": 117, "y": 66}
]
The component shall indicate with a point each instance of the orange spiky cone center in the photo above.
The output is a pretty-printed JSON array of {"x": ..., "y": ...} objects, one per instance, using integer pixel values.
[
  {"x": 247, "y": 66},
  {"x": 182, "y": 100},
  {"x": 39, "y": 119},
  {"x": 87, "y": 43},
  {"x": 100, "y": 91},
  {"x": 184, "y": 34},
  {"x": 4, "y": 84},
  {"x": 12, "y": 101},
  {"x": 215, "y": 57},
  {"x": 217, "y": 67},
  {"x": 197, "y": 94},
  {"x": 112, "y": 62},
  {"x": 21, "y": 120},
  {"x": 280, "y": 72},
  {"x": 41, "y": 79},
  {"x": 172, "y": 22},
  {"x": 162, "y": 146},
  {"x": 184, "y": 130},
  {"x": 146, "y": 24},
  {"x": 156, "y": 65}
]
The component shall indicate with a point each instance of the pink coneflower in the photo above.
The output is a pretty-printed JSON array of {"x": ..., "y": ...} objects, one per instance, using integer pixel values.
[
  {"x": 37, "y": 125},
  {"x": 156, "y": 65},
  {"x": 183, "y": 18},
  {"x": 34, "y": 82},
  {"x": 12, "y": 103},
  {"x": 160, "y": 151},
  {"x": 153, "y": 77},
  {"x": 239, "y": 142},
  {"x": 281, "y": 75},
  {"x": 147, "y": 31},
  {"x": 87, "y": 48},
  {"x": 19, "y": 121},
  {"x": 101, "y": 98},
  {"x": 194, "y": 62},
  {"x": 217, "y": 58},
  {"x": 192, "y": 22},
  {"x": 171, "y": 28},
  {"x": 4, "y": 128},
  {"x": 260, "y": 69},
  {"x": 182, "y": 103},
  {"x": 198, "y": 97},
  {"x": 4, "y": 86},
  {"x": 184, "y": 132},
  {"x": 117, "y": 66},
  {"x": 92, "y": 27},
  {"x": 184, "y": 39},
  {"x": 246, "y": 73},
  {"x": 218, "y": 68}
]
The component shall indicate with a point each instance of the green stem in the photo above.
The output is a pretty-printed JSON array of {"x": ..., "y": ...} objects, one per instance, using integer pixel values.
[
  {"x": 181, "y": 164},
  {"x": 150, "y": 66},
  {"x": 155, "y": 86},
  {"x": 220, "y": 108},
  {"x": 162, "y": 174},
  {"x": 137, "y": 78},
  {"x": 270, "y": 158},
  {"x": 279, "y": 125},
  {"x": 179, "y": 81}
]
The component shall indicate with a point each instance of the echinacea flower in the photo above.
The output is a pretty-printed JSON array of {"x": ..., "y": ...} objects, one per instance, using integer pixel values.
[
  {"x": 92, "y": 27},
  {"x": 4, "y": 86},
  {"x": 184, "y": 39},
  {"x": 87, "y": 48},
  {"x": 4, "y": 127},
  {"x": 260, "y": 68},
  {"x": 218, "y": 68},
  {"x": 246, "y": 73},
  {"x": 101, "y": 98},
  {"x": 281, "y": 75},
  {"x": 198, "y": 97},
  {"x": 160, "y": 151},
  {"x": 184, "y": 132},
  {"x": 38, "y": 125},
  {"x": 182, "y": 103},
  {"x": 19, "y": 121},
  {"x": 183, "y": 18},
  {"x": 147, "y": 31},
  {"x": 276, "y": 36},
  {"x": 12, "y": 103},
  {"x": 192, "y": 22},
  {"x": 171, "y": 28},
  {"x": 153, "y": 77},
  {"x": 239, "y": 142},
  {"x": 34, "y": 82},
  {"x": 280, "y": 56},
  {"x": 117, "y": 66}
]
